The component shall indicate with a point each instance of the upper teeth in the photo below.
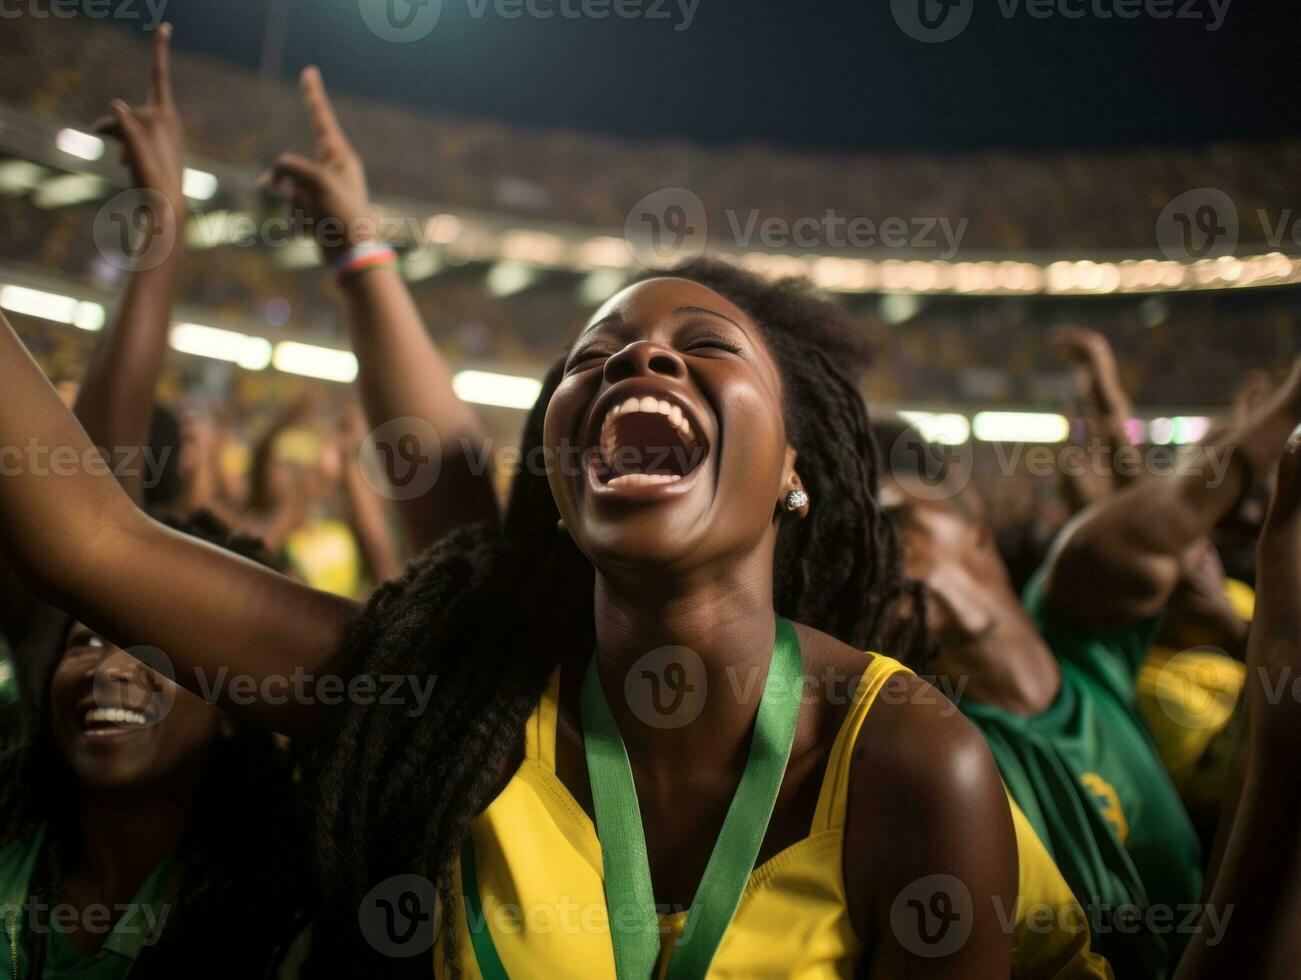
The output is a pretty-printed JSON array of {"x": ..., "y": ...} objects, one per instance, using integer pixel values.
[
  {"x": 650, "y": 405},
  {"x": 114, "y": 716}
]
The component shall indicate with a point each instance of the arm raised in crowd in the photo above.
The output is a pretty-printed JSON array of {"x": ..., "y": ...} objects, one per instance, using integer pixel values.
[
  {"x": 1119, "y": 561},
  {"x": 116, "y": 398},
  {"x": 365, "y": 507},
  {"x": 1259, "y": 876},
  {"x": 74, "y": 537},
  {"x": 1107, "y": 409},
  {"x": 405, "y": 383}
]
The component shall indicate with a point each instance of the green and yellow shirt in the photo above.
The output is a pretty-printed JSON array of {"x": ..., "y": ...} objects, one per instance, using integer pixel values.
[
  {"x": 1089, "y": 779},
  {"x": 138, "y": 926}
]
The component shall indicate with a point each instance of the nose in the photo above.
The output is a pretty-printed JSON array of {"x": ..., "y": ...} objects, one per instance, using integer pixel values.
[
  {"x": 119, "y": 667},
  {"x": 643, "y": 358}
]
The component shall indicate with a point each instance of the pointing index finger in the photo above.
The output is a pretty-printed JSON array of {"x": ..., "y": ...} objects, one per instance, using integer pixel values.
[
  {"x": 324, "y": 122},
  {"x": 160, "y": 80}
]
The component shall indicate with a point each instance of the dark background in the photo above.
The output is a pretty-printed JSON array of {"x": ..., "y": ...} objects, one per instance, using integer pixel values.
[{"x": 808, "y": 73}]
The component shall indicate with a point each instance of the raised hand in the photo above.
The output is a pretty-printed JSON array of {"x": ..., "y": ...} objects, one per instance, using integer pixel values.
[
  {"x": 330, "y": 189},
  {"x": 151, "y": 135},
  {"x": 1095, "y": 363},
  {"x": 1274, "y": 648}
]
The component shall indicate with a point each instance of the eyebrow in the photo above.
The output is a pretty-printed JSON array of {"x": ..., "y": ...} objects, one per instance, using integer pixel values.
[
  {"x": 617, "y": 317},
  {"x": 701, "y": 309}
]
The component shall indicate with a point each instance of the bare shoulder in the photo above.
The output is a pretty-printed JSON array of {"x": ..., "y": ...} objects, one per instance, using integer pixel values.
[
  {"x": 917, "y": 738},
  {"x": 925, "y": 798}
]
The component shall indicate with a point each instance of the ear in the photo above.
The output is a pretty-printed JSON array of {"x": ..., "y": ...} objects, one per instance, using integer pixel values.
[{"x": 791, "y": 481}]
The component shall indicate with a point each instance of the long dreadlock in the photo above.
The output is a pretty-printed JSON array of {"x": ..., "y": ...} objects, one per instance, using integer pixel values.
[{"x": 491, "y": 614}]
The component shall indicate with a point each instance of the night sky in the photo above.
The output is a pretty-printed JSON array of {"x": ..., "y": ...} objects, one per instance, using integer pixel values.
[{"x": 811, "y": 73}]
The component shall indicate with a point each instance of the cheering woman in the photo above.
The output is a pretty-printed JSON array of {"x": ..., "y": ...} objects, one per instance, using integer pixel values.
[{"x": 710, "y": 466}]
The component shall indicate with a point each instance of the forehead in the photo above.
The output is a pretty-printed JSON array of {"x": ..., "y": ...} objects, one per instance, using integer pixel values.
[{"x": 655, "y": 300}]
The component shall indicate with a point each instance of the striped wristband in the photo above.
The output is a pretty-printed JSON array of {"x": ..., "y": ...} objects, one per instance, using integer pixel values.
[{"x": 363, "y": 258}]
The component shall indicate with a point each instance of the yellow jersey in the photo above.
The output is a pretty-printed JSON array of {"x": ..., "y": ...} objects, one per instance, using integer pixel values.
[{"x": 540, "y": 883}]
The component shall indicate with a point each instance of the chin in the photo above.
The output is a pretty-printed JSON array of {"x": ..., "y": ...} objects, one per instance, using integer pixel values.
[
  {"x": 650, "y": 539},
  {"x": 113, "y": 775}
]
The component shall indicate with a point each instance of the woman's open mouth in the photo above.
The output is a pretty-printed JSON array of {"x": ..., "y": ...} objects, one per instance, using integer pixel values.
[
  {"x": 645, "y": 441},
  {"x": 99, "y": 723}
]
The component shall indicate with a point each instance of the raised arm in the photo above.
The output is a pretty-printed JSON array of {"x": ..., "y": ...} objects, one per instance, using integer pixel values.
[
  {"x": 1118, "y": 562},
  {"x": 1259, "y": 877},
  {"x": 117, "y": 395},
  {"x": 365, "y": 507},
  {"x": 1106, "y": 410},
  {"x": 75, "y": 538},
  {"x": 406, "y": 385}
]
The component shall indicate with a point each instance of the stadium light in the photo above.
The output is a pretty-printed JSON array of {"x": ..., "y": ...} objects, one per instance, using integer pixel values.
[
  {"x": 508, "y": 278},
  {"x": 1036, "y": 427},
  {"x": 52, "y": 306},
  {"x": 250, "y": 353},
  {"x": 945, "y": 428},
  {"x": 1190, "y": 428},
  {"x": 502, "y": 390},
  {"x": 19, "y": 177},
  {"x": 324, "y": 363},
  {"x": 198, "y": 185},
  {"x": 68, "y": 189},
  {"x": 84, "y": 146},
  {"x": 421, "y": 263}
]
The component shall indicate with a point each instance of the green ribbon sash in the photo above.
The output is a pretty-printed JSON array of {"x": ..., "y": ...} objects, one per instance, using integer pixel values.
[{"x": 630, "y": 899}]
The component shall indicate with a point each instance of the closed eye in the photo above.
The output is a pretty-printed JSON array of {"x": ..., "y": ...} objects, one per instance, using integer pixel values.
[
  {"x": 713, "y": 342},
  {"x": 587, "y": 354}
]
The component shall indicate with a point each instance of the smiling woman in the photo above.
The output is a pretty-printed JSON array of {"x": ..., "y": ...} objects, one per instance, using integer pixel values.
[
  {"x": 681, "y": 585},
  {"x": 135, "y": 814},
  {"x": 711, "y": 785}
]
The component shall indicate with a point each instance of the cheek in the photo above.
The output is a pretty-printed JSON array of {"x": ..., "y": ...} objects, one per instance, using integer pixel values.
[
  {"x": 64, "y": 694},
  {"x": 755, "y": 441},
  {"x": 188, "y": 728},
  {"x": 559, "y": 433}
]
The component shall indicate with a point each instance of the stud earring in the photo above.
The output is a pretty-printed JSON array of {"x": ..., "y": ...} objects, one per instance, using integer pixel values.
[{"x": 796, "y": 499}]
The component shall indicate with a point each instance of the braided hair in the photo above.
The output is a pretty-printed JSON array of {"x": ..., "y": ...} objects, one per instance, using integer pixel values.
[
  {"x": 490, "y": 614},
  {"x": 237, "y": 874}
]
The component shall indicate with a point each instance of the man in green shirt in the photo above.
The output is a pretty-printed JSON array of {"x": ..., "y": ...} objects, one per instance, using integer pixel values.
[{"x": 1049, "y": 679}]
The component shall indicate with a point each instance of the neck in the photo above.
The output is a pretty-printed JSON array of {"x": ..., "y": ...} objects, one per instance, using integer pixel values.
[
  {"x": 726, "y": 620},
  {"x": 1008, "y": 665},
  {"x": 126, "y": 835}
]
